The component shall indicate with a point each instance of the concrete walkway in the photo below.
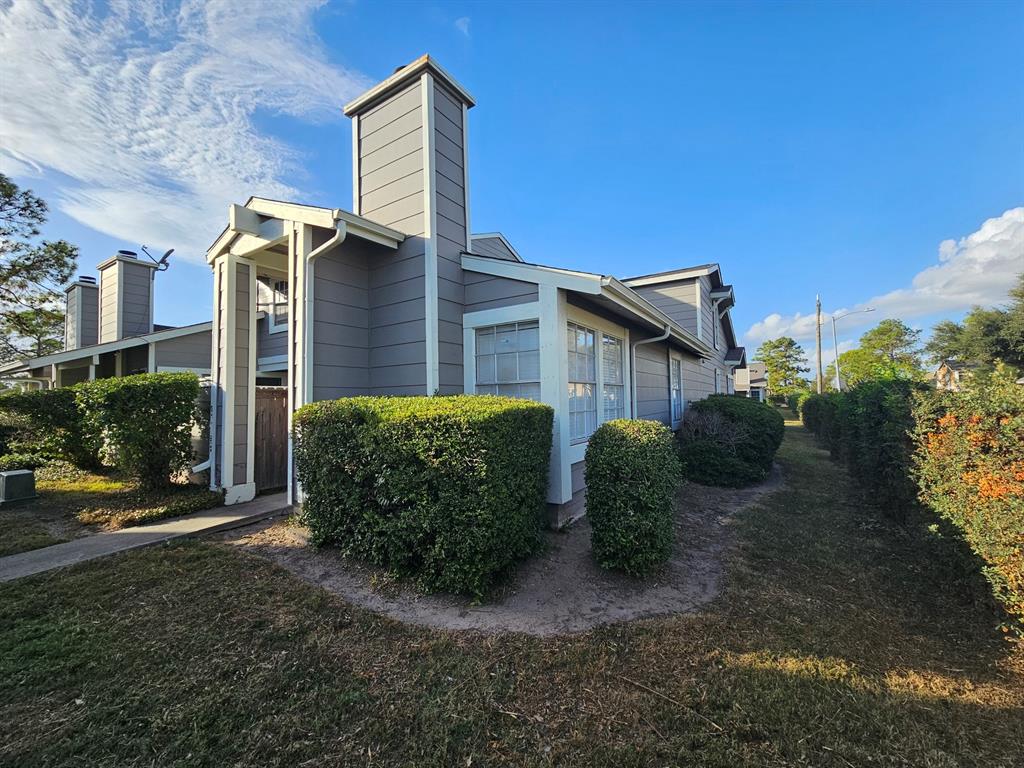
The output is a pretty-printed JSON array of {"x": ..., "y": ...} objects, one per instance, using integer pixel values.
[{"x": 91, "y": 547}]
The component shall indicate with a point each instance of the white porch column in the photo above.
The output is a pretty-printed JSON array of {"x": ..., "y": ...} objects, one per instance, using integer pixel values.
[
  {"x": 300, "y": 318},
  {"x": 553, "y": 389},
  {"x": 233, "y": 374}
]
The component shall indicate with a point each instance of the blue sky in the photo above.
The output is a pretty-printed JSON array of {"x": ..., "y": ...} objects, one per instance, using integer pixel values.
[{"x": 805, "y": 147}]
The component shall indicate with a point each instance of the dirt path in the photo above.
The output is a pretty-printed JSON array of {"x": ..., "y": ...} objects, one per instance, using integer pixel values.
[{"x": 559, "y": 591}]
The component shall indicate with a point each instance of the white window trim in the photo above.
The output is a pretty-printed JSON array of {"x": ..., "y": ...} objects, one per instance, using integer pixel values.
[
  {"x": 577, "y": 450},
  {"x": 471, "y": 321},
  {"x": 272, "y": 325},
  {"x": 674, "y": 356}
]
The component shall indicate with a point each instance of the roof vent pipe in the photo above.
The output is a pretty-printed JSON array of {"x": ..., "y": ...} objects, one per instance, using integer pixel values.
[{"x": 129, "y": 254}]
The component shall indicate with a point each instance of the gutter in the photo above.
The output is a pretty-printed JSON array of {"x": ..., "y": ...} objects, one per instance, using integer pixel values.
[
  {"x": 632, "y": 364},
  {"x": 340, "y": 232}
]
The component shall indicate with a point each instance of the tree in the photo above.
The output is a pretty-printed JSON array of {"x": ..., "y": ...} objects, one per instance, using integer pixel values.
[
  {"x": 31, "y": 274},
  {"x": 784, "y": 360},
  {"x": 985, "y": 336},
  {"x": 895, "y": 347},
  {"x": 855, "y": 365}
]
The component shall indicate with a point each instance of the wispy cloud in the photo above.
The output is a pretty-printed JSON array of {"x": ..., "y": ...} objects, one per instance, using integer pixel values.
[
  {"x": 143, "y": 113},
  {"x": 462, "y": 24},
  {"x": 978, "y": 269}
]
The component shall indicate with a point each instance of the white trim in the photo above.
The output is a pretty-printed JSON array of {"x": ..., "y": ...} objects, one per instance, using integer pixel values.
[
  {"x": 498, "y": 315},
  {"x": 465, "y": 171},
  {"x": 700, "y": 308},
  {"x": 215, "y": 372},
  {"x": 407, "y": 72},
  {"x": 675, "y": 356},
  {"x": 430, "y": 297},
  {"x": 151, "y": 361},
  {"x": 686, "y": 273},
  {"x": 227, "y": 478},
  {"x": 239, "y": 494},
  {"x": 152, "y": 283},
  {"x": 554, "y": 373},
  {"x": 119, "y": 306},
  {"x": 250, "y": 469},
  {"x": 290, "y": 379},
  {"x": 356, "y": 175},
  {"x": 581, "y": 282}
]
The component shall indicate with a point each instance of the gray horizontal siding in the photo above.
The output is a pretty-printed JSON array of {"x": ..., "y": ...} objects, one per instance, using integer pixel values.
[
  {"x": 88, "y": 333},
  {"x": 341, "y": 308},
  {"x": 108, "y": 304},
  {"x": 493, "y": 247},
  {"x": 192, "y": 351},
  {"x": 71, "y": 339},
  {"x": 677, "y": 300},
  {"x": 489, "y": 292},
  {"x": 135, "y": 303},
  {"x": 652, "y": 383}
]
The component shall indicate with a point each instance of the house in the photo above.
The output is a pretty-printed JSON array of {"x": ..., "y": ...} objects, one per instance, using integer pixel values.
[
  {"x": 399, "y": 298},
  {"x": 752, "y": 381},
  {"x": 951, "y": 373},
  {"x": 109, "y": 331}
]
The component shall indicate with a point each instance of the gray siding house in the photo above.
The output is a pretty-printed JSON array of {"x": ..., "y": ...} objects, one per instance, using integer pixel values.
[
  {"x": 399, "y": 298},
  {"x": 109, "y": 331}
]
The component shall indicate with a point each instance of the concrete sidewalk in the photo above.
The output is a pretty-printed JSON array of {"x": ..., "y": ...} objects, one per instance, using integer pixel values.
[{"x": 91, "y": 547}]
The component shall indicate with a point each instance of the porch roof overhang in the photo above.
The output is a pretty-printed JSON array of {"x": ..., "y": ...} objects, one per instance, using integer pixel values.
[
  {"x": 605, "y": 290},
  {"x": 84, "y": 353},
  {"x": 259, "y": 226}
]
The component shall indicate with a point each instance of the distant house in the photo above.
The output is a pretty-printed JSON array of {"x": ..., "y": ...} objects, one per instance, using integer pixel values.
[
  {"x": 951, "y": 373},
  {"x": 752, "y": 382},
  {"x": 400, "y": 298}
]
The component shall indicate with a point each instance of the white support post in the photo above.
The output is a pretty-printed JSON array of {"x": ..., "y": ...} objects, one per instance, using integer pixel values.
[{"x": 554, "y": 376}]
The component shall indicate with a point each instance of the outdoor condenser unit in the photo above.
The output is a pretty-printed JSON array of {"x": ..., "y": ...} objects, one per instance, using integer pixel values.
[{"x": 17, "y": 485}]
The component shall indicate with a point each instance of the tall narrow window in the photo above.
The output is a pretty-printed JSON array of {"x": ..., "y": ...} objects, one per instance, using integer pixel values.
[
  {"x": 613, "y": 388},
  {"x": 508, "y": 360},
  {"x": 272, "y": 298},
  {"x": 582, "y": 381},
  {"x": 676, "y": 386},
  {"x": 718, "y": 384}
]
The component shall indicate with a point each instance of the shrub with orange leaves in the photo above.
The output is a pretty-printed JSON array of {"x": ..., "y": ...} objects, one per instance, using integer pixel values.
[{"x": 969, "y": 465}]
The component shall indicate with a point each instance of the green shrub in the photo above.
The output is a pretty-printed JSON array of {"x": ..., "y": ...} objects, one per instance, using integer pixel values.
[
  {"x": 969, "y": 464},
  {"x": 823, "y": 415},
  {"x": 13, "y": 461},
  {"x": 146, "y": 421},
  {"x": 55, "y": 425},
  {"x": 876, "y": 422},
  {"x": 447, "y": 490},
  {"x": 632, "y": 473},
  {"x": 796, "y": 401},
  {"x": 728, "y": 440}
]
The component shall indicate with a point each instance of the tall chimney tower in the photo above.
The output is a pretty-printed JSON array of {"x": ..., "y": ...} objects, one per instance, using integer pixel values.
[
  {"x": 81, "y": 313},
  {"x": 126, "y": 297},
  {"x": 410, "y": 174}
]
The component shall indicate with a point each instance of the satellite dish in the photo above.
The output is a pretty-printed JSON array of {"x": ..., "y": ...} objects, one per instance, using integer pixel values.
[{"x": 163, "y": 262}]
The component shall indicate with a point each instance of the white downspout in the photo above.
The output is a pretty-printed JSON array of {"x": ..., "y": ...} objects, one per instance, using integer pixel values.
[
  {"x": 632, "y": 365},
  {"x": 340, "y": 231}
]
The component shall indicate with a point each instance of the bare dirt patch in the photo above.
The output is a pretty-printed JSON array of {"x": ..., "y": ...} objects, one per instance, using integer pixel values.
[{"x": 557, "y": 592}]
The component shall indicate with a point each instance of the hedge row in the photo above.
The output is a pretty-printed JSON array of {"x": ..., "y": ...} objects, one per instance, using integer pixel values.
[
  {"x": 726, "y": 440},
  {"x": 969, "y": 463},
  {"x": 141, "y": 424},
  {"x": 632, "y": 473},
  {"x": 447, "y": 490},
  {"x": 868, "y": 428},
  {"x": 796, "y": 401},
  {"x": 960, "y": 454}
]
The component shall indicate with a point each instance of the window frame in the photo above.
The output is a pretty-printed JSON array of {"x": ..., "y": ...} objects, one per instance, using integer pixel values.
[
  {"x": 273, "y": 326},
  {"x": 675, "y": 358},
  {"x": 601, "y": 327},
  {"x": 520, "y": 381}
]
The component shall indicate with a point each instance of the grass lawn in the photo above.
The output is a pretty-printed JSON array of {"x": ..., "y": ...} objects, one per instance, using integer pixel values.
[
  {"x": 74, "y": 503},
  {"x": 836, "y": 643}
]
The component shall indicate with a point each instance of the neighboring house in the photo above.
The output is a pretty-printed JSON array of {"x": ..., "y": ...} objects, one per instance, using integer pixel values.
[
  {"x": 109, "y": 331},
  {"x": 951, "y": 373},
  {"x": 398, "y": 298},
  {"x": 752, "y": 382}
]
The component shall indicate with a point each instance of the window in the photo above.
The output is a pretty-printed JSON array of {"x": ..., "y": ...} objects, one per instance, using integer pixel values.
[
  {"x": 676, "y": 387},
  {"x": 272, "y": 298},
  {"x": 718, "y": 384},
  {"x": 613, "y": 388},
  {"x": 508, "y": 360},
  {"x": 582, "y": 382}
]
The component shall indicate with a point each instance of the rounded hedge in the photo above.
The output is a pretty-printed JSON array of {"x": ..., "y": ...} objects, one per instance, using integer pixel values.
[{"x": 631, "y": 473}]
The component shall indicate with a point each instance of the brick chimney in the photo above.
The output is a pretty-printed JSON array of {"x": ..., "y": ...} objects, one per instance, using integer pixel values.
[
  {"x": 125, "y": 297},
  {"x": 81, "y": 313},
  {"x": 409, "y": 173}
]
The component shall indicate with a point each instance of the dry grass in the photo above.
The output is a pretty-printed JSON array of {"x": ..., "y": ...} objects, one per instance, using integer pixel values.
[
  {"x": 836, "y": 643},
  {"x": 73, "y": 503}
]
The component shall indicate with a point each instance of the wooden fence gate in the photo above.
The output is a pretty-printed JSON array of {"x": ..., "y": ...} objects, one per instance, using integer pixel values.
[{"x": 271, "y": 438}]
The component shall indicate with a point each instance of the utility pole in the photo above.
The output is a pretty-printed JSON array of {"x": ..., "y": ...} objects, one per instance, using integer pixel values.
[{"x": 817, "y": 333}]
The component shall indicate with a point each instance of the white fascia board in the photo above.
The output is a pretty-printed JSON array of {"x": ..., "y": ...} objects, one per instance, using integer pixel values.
[
  {"x": 305, "y": 214},
  {"x": 580, "y": 282},
  {"x": 407, "y": 73},
  {"x": 499, "y": 236},
  {"x": 371, "y": 230}
]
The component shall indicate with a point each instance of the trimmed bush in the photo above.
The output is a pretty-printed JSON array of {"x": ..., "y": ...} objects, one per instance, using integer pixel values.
[
  {"x": 969, "y": 464},
  {"x": 146, "y": 421},
  {"x": 729, "y": 441},
  {"x": 632, "y": 473},
  {"x": 447, "y": 490},
  {"x": 55, "y": 425},
  {"x": 796, "y": 401}
]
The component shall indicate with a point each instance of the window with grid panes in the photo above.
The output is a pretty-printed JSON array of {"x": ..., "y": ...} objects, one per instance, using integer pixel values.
[
  {"x": 613, "y": 388},
  {"x": 508, "y": 360},
  {"x": 582, "y": 353}
]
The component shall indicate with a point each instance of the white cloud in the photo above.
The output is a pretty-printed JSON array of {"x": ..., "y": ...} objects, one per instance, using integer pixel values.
[
  {"x": 146, "y": 112},
  {"x": 462, "y": 24},
  {"x": 978, "y": 269}
]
